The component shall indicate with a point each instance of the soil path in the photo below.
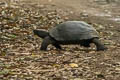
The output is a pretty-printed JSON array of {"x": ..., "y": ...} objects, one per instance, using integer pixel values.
[
  {"x": 77, "y": 6},
  {"x": 88, "y": 7}
]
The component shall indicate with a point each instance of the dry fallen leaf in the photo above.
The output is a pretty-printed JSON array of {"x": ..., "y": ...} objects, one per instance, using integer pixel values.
[
  {"x": 49, "y": 0},
  {"x": 73, "y": 65},
  {"x": 118, "y": 68}
]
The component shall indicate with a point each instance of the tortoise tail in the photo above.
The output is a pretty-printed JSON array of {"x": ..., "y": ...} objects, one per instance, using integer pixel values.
[{"x": 41, "y": 33}]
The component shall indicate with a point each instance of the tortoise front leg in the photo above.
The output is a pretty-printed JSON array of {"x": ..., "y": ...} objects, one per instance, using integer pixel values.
[
  {"x": 57, "y": 45},
  {"x": 45, "y": 43},
  {"x": 99, "y": 45}
]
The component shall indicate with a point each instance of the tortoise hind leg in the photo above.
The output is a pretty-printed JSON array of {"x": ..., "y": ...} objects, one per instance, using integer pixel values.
[
  {"x": 85, "y": 43},
  {"x": 99, "y": 45},
  {"x": 45, "y": 43}
]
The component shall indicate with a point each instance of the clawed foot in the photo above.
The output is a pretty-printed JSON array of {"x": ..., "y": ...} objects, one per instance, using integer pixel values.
[{"x": 102, "y": 48}]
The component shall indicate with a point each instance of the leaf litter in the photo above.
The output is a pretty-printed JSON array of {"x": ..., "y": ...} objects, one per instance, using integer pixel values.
[{"x": 21, "y": 58}]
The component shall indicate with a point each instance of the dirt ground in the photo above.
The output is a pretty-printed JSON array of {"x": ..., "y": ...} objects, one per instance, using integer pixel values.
[{"x": 21, "y": 58}]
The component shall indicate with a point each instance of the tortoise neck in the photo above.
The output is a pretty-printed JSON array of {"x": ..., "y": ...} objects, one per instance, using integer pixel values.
[{"x": 41, "y": 33}]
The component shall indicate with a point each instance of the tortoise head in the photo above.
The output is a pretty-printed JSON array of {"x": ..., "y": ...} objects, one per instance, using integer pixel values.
[{"x": 41, "y": 33}]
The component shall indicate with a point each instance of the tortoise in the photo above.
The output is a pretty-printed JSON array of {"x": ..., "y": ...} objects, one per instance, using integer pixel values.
[{"x": 70, "y": 32}]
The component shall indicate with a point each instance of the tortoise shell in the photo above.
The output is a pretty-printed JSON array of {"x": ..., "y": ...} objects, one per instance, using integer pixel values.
[{"x": 73, "y": 31}]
